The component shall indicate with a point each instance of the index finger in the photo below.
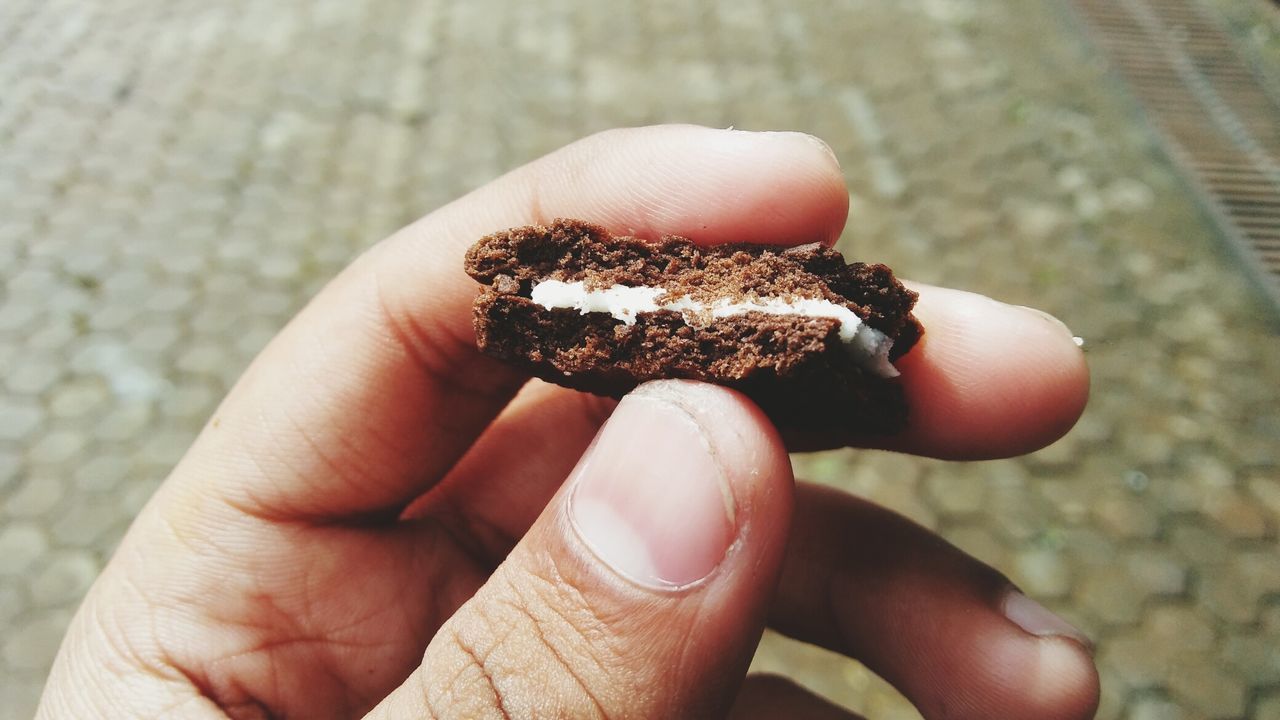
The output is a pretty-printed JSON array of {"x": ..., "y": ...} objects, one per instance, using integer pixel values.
[{"x": 375, "y": 389}]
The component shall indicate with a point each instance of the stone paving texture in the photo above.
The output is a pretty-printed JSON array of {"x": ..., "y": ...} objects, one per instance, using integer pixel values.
[{"x": 177, "y": 178}]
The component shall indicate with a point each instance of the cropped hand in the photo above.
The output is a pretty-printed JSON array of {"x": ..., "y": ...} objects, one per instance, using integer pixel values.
[{"x": 380, "y": 520}]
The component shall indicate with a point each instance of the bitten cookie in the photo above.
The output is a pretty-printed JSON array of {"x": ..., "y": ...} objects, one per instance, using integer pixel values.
[{"x": 809, "y": 338}]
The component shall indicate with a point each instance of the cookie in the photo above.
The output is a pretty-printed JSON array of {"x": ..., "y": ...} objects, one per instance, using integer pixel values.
[{"x": 809, "y": 338}]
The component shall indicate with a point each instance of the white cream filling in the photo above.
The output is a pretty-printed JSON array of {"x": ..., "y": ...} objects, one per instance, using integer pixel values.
[{"x": 870, "y": 346}]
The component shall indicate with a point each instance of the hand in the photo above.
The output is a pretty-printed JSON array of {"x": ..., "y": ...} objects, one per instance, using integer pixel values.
[{"x": 371, "y": 523}]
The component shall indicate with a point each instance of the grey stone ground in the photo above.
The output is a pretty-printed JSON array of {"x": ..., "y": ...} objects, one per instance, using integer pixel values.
[{"x": 176, "y": 178}]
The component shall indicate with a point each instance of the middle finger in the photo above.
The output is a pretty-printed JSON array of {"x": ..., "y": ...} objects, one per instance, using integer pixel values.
[{"x": 988, "y": 380}]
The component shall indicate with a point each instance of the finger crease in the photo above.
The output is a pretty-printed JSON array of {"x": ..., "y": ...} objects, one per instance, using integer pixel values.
[
  {"x": 565, "y": 664},
  {"x": 481, "y": 666},
  {"x": 454, "y": 366}
]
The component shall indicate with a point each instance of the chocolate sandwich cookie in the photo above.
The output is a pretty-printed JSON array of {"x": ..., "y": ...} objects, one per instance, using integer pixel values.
[{"x": 809, "y": 338}]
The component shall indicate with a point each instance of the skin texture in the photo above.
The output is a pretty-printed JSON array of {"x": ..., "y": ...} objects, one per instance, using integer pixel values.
[{"x": 370, "y": 523}]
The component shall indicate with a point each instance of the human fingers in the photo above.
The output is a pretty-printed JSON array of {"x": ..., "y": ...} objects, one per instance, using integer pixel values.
[
  {"x": 991, "y": 379},
  {"x": 500, "y": 486},
  {"x": 858, "y": 579},
  {"x": 987, "y": 380},
  {"x": 376, "y": 388},
  {"x": 772, "y": 697},
  {"x": 949, "y": 632},
  {"x": 642, "y": 589}
]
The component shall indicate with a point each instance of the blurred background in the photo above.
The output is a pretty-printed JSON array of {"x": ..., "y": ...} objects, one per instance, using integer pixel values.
[{"x": 177, "y": 178}]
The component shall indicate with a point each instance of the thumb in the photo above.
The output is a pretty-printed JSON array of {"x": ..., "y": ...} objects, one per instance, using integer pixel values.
[{"x": 642, "y": 589}]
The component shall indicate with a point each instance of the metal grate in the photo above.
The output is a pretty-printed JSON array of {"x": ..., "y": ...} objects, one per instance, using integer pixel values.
[{"x": 1216, "y": 116}]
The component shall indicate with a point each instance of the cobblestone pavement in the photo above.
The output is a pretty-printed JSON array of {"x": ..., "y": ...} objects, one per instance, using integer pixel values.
[{"x": 176, "y": 178}]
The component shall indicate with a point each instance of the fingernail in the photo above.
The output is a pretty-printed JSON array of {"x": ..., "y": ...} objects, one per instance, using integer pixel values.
[
  {"x": 649, "y": 497},
  {"x": 822, "y": 144},
  {"x": 813, "y": 140},
  {"x": 1038, "y": 620},
  {"x": 1047, "y": 318}
]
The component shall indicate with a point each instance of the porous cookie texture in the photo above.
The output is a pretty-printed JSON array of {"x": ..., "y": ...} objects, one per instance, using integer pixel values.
[{"x": 804, "y": 371}]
